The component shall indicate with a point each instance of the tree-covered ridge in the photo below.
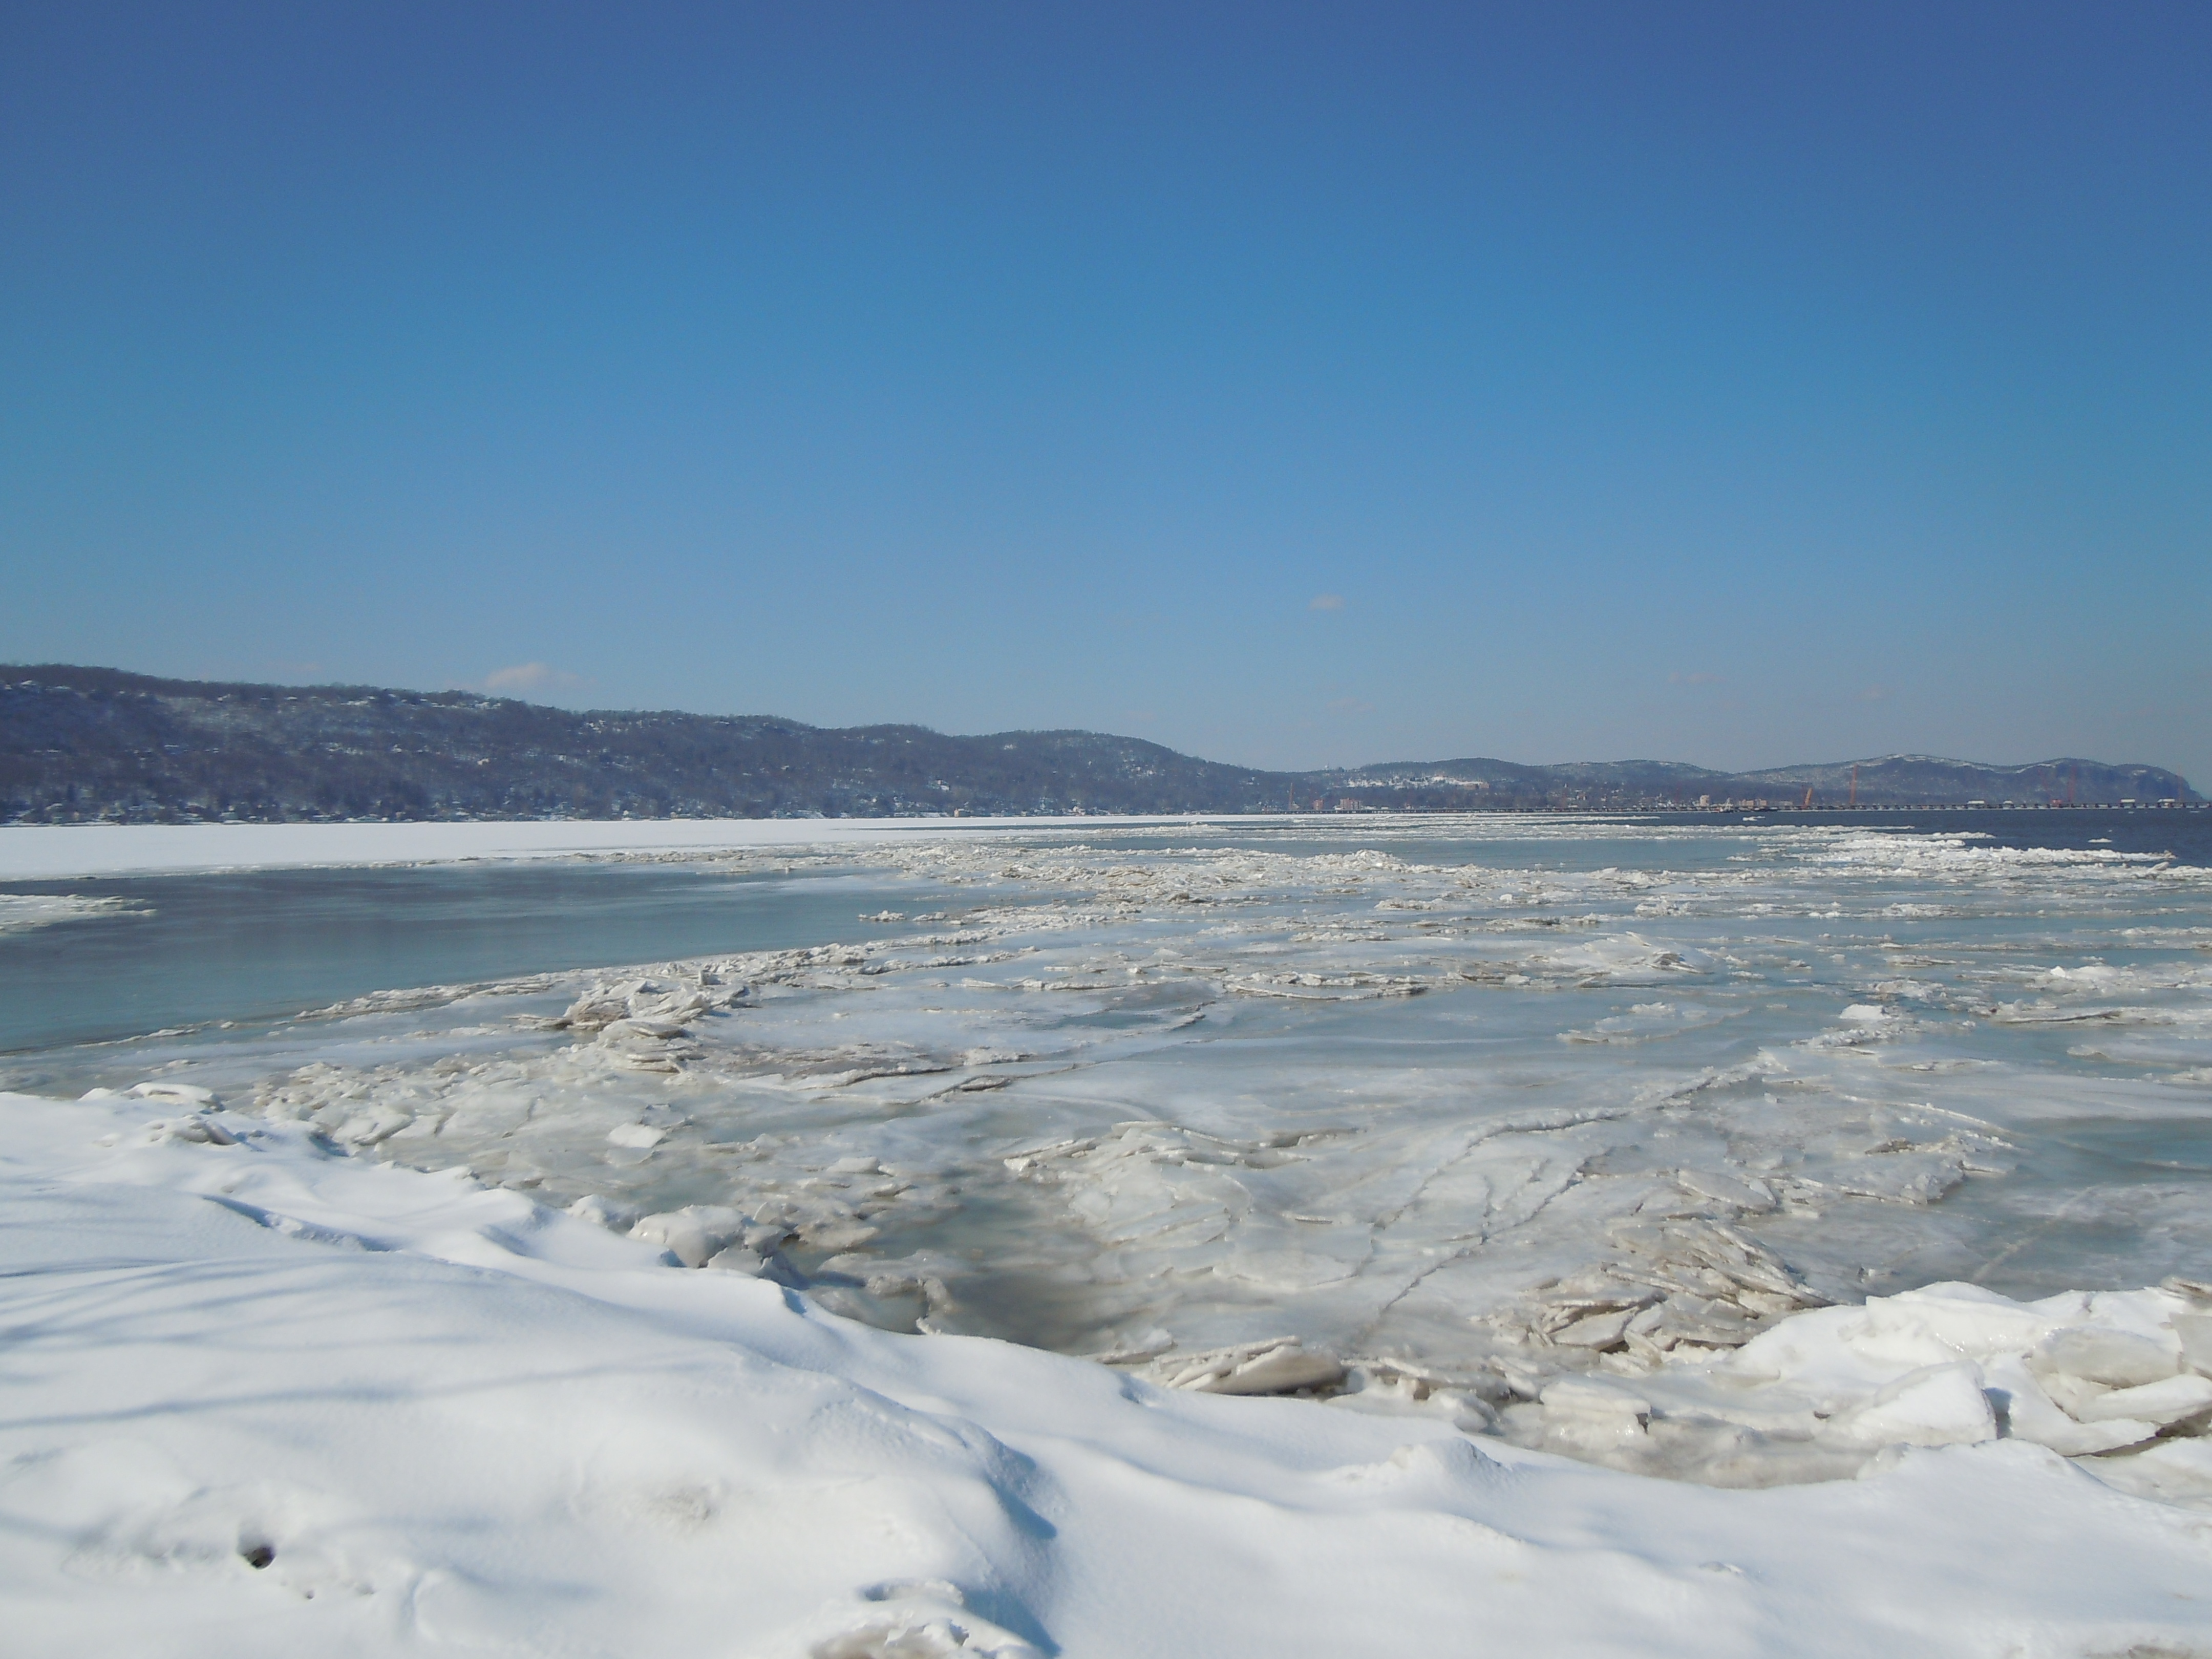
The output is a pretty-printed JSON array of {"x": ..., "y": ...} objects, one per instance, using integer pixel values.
[
  {"x": 92, "y": 744},
  {"x": 79, "y": 744}
]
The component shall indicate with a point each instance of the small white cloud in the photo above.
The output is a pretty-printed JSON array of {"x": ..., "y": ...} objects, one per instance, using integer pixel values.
[
  {"x": 1353, "y": 705},
  {"x": 1326, "y": 602},
  {"x": 1875, "y": 694},
  {"x": 1698, "y": 678},
  {"x": 532, "y": 677}
]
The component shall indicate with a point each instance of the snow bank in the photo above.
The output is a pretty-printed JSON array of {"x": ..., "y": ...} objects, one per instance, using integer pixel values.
[{"x": 268, "y": 1400}]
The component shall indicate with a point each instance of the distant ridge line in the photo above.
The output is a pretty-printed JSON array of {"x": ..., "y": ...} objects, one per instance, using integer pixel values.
[{"x": 89, "y": 745}]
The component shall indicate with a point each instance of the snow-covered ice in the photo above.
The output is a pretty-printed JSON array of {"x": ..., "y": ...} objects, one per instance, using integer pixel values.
[
  {"x": 1822, "y": 1162},
  {"x": 264, "y": 1399},
  {"x": 47, "y": 852}
]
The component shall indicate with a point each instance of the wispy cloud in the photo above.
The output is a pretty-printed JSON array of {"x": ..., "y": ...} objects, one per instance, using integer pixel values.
[
  {"x": 1698, "y": 678},
  {"x": 532, "y": 677},
  {"x": 1353, "y": 705},
  {"x": 1875, "y": 694},
  {"x": 1326, "y": 602}
]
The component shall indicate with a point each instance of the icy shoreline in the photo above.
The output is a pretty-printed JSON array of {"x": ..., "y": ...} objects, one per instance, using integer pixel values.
[
  {"x": 265, "y": 1399},
  {"x": 1501, "y": 1142},
  {"x": 1462, "y": 1119}
]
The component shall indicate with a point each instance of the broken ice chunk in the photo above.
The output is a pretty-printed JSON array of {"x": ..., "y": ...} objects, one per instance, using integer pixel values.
[
  {"x": 1586, "y": 1415},
  {"x": 2169, "y": 1400},
  {"x": 604, "y": 1212},
  {"x": 183, "y": 1094},
  {"x": 2030, "y": 1415},
  {"x": 660, "y": 1031},
  {"x": 1934, "y": 1406},
  {"x": 1597, "y": 1331},
  {"x": 203, "y": 1131},
  {"x": 693, "y": 1234},
  {"x": 593, "y": 1010},
  {"x": 1745, "y": 1192},
  {"x": 370, "y": 1127},
  {"x": 2098, "y": 1353},
  {"x": 1277, "y": 1366},
  {"x": 2195, "y": 1331}
]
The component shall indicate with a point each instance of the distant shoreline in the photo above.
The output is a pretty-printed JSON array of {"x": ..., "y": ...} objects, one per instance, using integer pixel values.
[{"x": 35, "y": 853}]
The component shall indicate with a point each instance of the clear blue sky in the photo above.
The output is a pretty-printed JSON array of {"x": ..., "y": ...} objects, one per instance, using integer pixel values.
[{"x": 1292, "y": 384}]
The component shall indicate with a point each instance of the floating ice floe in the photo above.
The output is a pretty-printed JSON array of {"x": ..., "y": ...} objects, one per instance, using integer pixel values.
[{"x": 20, "y": 912}]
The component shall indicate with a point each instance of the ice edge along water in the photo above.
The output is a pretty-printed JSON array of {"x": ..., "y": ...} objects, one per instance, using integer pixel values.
[{"x": 265, "y": 1399}]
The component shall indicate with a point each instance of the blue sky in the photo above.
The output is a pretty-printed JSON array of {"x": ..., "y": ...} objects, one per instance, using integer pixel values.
[{"x": 1295, "y": 386}]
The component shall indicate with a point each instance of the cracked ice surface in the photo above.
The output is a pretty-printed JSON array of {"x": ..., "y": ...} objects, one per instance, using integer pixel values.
[{"x": 1539, "y": 1125}]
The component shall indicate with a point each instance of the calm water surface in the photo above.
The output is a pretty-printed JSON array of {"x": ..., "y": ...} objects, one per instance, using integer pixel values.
[{"x": 260, "y": 945}]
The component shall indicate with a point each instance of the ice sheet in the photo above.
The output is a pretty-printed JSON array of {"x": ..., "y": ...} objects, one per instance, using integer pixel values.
[
  {"x": 59, "y": 852},
  {"x": 1468, "y": 1107}
]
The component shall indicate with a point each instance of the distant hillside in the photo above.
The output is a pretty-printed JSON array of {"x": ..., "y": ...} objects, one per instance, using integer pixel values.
[
  {"x": 85, "y": 744},
  {"x": 1904, "y": 778},
  {"x": 1890, "y": 781},
  {"x": 79, "y": 744}
]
